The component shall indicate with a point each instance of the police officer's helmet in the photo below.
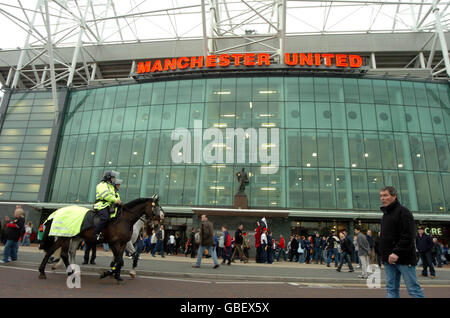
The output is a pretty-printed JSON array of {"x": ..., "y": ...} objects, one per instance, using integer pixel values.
[
  {"x": 109, "y": 174},
  {"x": 155, "y": 197},
  {"x": 117, "y": 182}
]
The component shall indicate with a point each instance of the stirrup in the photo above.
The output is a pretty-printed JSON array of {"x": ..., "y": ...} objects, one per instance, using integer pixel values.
[{"x": 99, "y": 237}]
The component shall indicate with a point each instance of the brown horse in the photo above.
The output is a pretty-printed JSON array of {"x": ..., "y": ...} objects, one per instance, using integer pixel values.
[{"x": 117, "y": 233}]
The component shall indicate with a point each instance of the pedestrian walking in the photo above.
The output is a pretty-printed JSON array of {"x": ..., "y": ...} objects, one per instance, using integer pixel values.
[
  {"x": 264, "y": 243},
  {"x": 226, "y": 245},
  {"x": 246, "y": 245},
  {"x": 437, "y": 252},
  {"x": 206, "y": 242},
  {"x": 397, "y": 248},
  {"x": 282, "y": 246},
  {"x": 346, "y": 250},
  {"x": 258, "y": 242},
  {"x": 159, "y": 242},
  {"x": 363, "y": 252},
  {"x": 172, "y": 244},
  {"x": 424, "y": 245},
  {"x": 293, "y": 252},
  {"x": 5, "y": 229},
  {"x": 270, "y": 248},
  {"x": 27, "y": 235},
  {"x": 332, "y": 248},
  {"x": 14, "y": 229},
  {"x": 238, "y": 242},
  {"x": 317, "y": 244},
  {"x": 376, "y": 248}
]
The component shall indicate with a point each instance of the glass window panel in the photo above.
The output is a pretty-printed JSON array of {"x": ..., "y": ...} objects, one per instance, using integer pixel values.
[
  {"x": 39, "y": 131},
  {"x": 14, "y": 124},
  {"x": 130, "y": 118},
  {"x": 18, "y": 117},
  {"x": 55, "y": 185},
  {"x": 83, "y": 191},
  {"x": 227, "y": 114},
  {"x": 40, "y": 123},
  {"x": 212, "y": 118},
  {"x": 33, "y": 155},
  {"x": 95, "y": 120},
  {"x": 19, "y": 110},
  {"x": 446, "y": 116},
  {"x": 310, "y": 181},
  {"x": 142, "y": 117},
  {"x": 340, "y": 148},
  {"x": 380, "y": 92},
  {"x": 407, "y": 191},
  {"x": 425, "y": 120},
  {"x": 36, "y": 163},
  {"x": 356, "y": 149},
  {"x": 417, "y": 152},
  {"x": 111, "y": 152},
  {"x": 295, "y": 192},
  {"x": 403, "y": 151},
  {"x": 133, "y": 95},
  {"x": 351, "y": 90},
  {"x": 118, "y": 119},
  {"x": 171, "y": 92},
  {"x": 9, "y": 147},
  {"x": 121, "y": 96},
  {"x": 444, "y": 96},
  {"x": 421, "y": 94},
  {"x": 291, "y": 89},
  {"x": 277, "y": 196},
  {"x": 208, "y": 185},
  {"x": 307, "y": 115},
  {"x": 198, "y": 90},
  {"x": 387, "y": 150},
  {"x": 145, "y": 95},
  {"x": 395, "y": 92},
  {"x": 409, "y": 97},
  {"x": 306, "y": 89},
  {"x": 260, "y": 91},
  {"x": 30, "y": 171},
  {"x": 275, "y": 88},
  {"x": 182, "y": 118},
  {"x": 99, "y": 98},
  {"x": 76, "y": 123},
  {"x": 338, "y": 117},
  {"x": 430, "y": 153},
  {"x": 323, "y": 115},
  {"x": 244, "y": 89},
  {"x": 133, "y": 183},
  {"x": 71, "y": 149},
  {"x": 151, "y": 149},
  {"x": 158, "y": 92},
  {"x": 13, "y": 132},
  {"x": 165, "y": 148},
  {"x": 398, "y": 118},
  {"x": 106, "y": 119},
  {"x": 369, "y": 117},
  {"x": 375, "y": 183},
  {"x": 190, "y": 189},
  {"x": 412, "y": 119},
  {"x": 148, "y": 181},
  {"x": 437, "y": 121},
  {"x": 275, "y": 112},
  {"x": 324, "y": 145},
  {"x": 91, "y": 145},
  {"x": 26, "y": 187},
  {"x": 446, "y": 186},
  {"x": 42, "y": 116},
  {"x": 437, "y": 196},
  {"x": 309, "y": 148},
  {"x": 384, "y": 117},
  {"x": 337, "y": 90},
  {"x": 228, "y": 90},
  {"x": 224, "y": 189},
  {"x": 443, "y": 153},
  {"x": 293, "y": 145},
  {"x": 85, "y": 121},
  {"x": 343, "y": 189},
  {"x": 360, "y": 189},
  {"x": 79, "y": 152},
  {"x": 327, "y": 189},
  {"x": 126, "y": 144},
  {"x": 372, "y": 150},
  {"x": 353, "y": 116},
  {"x": 292, "y": 115},
  {"x": 101, "y": 150},
  {"x": 214, "y": 90},
  {"x": 88, "y": 100},
  {"x": 20, "y": 103},
  {"x": 138, "y": 149},
  {"x": 432, "y": 94},
  {"x": 24, "y": 196},
  {"x": 155, "y": 117},
  {"x": 321, "y": 93},
  {"x": 422, "y": 191},
  {"x": 184, "y": 91},
  {"x": 12, "y": 139},
  {"x": 196, "y": 113}
]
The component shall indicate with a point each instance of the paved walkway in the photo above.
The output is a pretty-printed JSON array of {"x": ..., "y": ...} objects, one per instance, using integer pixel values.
[{"x": 181, "y": 267}]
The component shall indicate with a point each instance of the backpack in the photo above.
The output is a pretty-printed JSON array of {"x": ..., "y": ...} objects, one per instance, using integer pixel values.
[
  {"x": 227, "y": 239},
  {"x": 197, "y": 238}
]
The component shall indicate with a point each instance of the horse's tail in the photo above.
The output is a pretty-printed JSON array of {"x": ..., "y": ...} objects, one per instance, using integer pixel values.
[{"x": 47, "y": 240}]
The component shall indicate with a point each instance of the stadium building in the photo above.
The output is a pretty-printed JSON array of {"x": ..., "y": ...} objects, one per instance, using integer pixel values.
[{"x": 321, "y": 116}]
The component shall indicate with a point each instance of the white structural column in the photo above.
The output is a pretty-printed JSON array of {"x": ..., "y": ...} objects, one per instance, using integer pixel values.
[
  {"x": 440, "y": 33},
  {"x": 205, "y": 34},
  {"x": 282, "y": 28},
  {"x": 79, "y": 44},
  {"x": 51, "y": 61},
  {"x": 25, "y": 47}
]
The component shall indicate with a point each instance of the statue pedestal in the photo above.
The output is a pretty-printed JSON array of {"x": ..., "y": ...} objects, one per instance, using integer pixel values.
[{"x": 240, "y": 201}]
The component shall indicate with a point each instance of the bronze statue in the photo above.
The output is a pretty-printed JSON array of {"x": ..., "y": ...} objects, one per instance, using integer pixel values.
[{"x": 243, "y": 180}]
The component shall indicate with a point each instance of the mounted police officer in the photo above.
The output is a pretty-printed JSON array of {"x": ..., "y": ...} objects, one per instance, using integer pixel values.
[
  {"x": 105, "y": 198},
  {"x": 116, "y": 183}
]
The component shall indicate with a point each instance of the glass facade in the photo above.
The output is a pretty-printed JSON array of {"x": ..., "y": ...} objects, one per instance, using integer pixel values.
[
  {"x": 24, "y": 140},
  {"x": 340, "y": 141}
]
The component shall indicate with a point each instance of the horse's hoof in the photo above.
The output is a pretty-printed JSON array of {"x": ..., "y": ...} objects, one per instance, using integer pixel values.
[
  {"x": 42, "y": 276},
  {"x": 54, "y": 267},
  {"x": 133, "y": 274}
]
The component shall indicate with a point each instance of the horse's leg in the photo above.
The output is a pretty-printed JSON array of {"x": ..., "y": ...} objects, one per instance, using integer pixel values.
[
  {"x": 65, "y": 251},
  {"x": 73, "y": 249},
  {"x": 49, "y": 253},
  {"x": 118, "y": 259}
]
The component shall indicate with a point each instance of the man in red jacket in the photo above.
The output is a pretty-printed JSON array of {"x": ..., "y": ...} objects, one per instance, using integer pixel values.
[
  {"x": 258, "y": 242},
  {"x": 282, "y": 246}
]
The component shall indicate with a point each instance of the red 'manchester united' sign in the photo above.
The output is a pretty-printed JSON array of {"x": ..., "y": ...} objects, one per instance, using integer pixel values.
[{"x": 249, "y": 59}]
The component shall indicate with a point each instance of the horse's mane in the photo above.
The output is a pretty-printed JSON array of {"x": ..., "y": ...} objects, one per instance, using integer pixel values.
[{"x": 135, "y": 202}]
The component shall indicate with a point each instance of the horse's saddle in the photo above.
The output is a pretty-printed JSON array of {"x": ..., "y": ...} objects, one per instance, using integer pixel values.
[{"x": 91, "y": 219}]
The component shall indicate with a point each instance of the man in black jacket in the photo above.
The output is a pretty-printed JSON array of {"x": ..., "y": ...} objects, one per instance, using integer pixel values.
[
  {"x": 424, "y": 245},
  {"x": 14, "y": 229},
  {"x": 238, "y": 242},
  {"x": 397, "y": 248},
  {"x": 346, "y": 247}
]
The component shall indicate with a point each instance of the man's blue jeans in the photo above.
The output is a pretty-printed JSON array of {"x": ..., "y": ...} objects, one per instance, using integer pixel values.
[
  {"x": 159, "y": 247},
  {"x": 11, "y": 248},
  {"x": 318, "y": 255},
  {"x": 334, "y": 252},
  {"x": 211, "y": 252},
  {"x": 393, "y": 273},
  {"x": 263, "y": 253}
]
